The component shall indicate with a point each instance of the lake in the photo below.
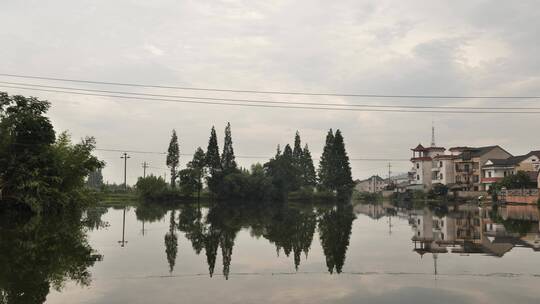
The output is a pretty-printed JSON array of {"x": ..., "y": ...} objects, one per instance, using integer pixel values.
[{"x": 369, "y": 253}]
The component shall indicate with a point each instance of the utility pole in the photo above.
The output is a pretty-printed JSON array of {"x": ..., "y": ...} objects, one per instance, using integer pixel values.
[
  {"x": 389, "y": 173},
  {"x": 144, "y": 165},
  {"x": 125, "y": 157}
]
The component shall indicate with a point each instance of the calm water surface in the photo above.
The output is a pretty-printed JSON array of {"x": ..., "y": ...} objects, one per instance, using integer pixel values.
[{"x": 289, "y": 254}]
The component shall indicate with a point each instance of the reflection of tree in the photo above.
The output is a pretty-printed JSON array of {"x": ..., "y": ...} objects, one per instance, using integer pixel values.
[
  {"x": 150, "y": 212},
  {"x": 292, "y": 230},
  {"x": 190, "y": 223},
  {"x": 224, "y": 223},
  {"x": 171, "y": 242},
  {"x": 211, "y": 243},
  {"x": 335, "y": 226},
  {"x": 43, "y": 253},
  {"x": 92, "y": 218}
]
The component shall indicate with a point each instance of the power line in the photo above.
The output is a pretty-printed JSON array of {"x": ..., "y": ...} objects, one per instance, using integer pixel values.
[
  {"x": 264, "y": 92},
  {"x": 277, "y": 106},
  {"x": 240, "y": 156},
  {"x": 31, "y": 85}
]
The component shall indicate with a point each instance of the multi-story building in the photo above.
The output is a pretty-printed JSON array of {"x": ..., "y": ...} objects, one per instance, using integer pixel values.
[
  {"x": 442, "y": 170},
  {"x": 496, "y": 169},
  {"x": 422, "y": 161},
  {"x": 469, "y": 162},
  {"x": 372, "y": 185}
]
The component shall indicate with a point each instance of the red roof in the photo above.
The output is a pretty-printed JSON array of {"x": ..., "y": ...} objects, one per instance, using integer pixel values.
[{"x": 419, "y": 148}]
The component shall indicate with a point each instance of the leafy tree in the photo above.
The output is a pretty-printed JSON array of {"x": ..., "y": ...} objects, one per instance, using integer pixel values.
[
  {"x": 228, "y": 162},
  {"x": 198, "y": 165},
  {"x": 520, "y": 180},
  {"x": 189, "y": 182},
  {"x": 282, "y": 172},
  {"x": 39, "y": 172},
  {"x": 151, "y": 186},
  {"x": 95, "y": 179},
  {"x": 173, "y": 157}
]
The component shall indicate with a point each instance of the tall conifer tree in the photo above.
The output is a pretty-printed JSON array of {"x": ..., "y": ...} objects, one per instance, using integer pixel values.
[
  {"x": 213, "y": 162},
  {"x": 173, "y": 157},
  {"x": 343, "y": 179},
  {"x": 228, "y": 162},
  {"x": 212, "y": 153},
  {"x": 327, "y": 162},
  {"x": 308, "y": 170}
]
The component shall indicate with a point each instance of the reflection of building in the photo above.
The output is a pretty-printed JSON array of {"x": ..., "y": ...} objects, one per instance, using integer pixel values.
[{"x": 470, "y": 229}]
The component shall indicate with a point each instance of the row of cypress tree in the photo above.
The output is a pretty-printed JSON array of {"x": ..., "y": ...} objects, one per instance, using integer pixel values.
[{"x": 289, "y": 170}]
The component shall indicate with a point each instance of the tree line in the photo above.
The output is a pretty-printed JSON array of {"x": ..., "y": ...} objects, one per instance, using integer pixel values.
[
  {"x": 290, "y": 173},
  {"x": 40, "y": 171}
]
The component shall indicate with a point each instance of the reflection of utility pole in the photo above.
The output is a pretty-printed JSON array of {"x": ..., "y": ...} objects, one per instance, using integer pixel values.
[
  {"x": 390, "y": 225},
  {"x": 144, "y": 165},
  {"x": 123, "y": 241},
  {"x": 435, "y": 256},
  {"x": 125, "y": 157},
  {"x": 143, "y": 227}
]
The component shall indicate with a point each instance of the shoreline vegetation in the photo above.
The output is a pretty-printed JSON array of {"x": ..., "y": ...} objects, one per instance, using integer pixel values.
[{"x": 42, "y": 172}]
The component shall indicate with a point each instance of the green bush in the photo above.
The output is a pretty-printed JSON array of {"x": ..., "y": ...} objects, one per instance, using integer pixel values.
[{"x": 151, "y": 186}]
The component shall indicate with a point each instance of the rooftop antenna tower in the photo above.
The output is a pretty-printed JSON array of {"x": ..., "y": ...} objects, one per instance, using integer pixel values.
[{"x": 432, "y": 134}]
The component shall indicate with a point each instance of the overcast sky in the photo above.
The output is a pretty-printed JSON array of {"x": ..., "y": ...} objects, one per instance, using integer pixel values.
[{"x": 375, "y": 47}]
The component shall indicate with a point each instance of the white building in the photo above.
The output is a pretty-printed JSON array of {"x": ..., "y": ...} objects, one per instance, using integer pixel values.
[
  {"x": 422, "y": 161},
  {"x": 372, "y": 184}
]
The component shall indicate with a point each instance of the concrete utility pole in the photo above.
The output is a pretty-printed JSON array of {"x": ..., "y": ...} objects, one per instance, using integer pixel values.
[
  {"x": 144, "y": 165},
  {"x": 389, "y": 173},
  {"x": 125, "y": 157}
]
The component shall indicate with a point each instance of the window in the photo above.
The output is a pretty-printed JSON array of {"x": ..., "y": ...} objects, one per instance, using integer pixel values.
[
  {"x": 417, "y": 177},
  {"x": 467, "y": 168},
  {"x": 417, "y": 166},
  {"x": 476, "y": 178},
  {"x": 489, "y": 173},
  {"x": 440, "y": 176},
  {"x": 418, "y": 221},
  {"x": 504, "y": 173},
  {"x": 440, "y": 164}
]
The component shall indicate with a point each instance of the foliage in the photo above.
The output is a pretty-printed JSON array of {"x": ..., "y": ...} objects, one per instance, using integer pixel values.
[
  {"x": 334, "y": 167},
  {"x": 438, "y": 190},
  {"x": 213, "y": 162},
  {"x": 282, "y": 172},
  {"x": 95, "y": 179},
  {"x": 520, "y": 180},
  {"x": 335, "y": 228},
  {"x": 189, "y": 181},
  {"x": 173, "y": 157},
  {"x": 40, "y": 172},
  {"x": 42, "y": 254},
  {"x": 150, "y": 186},
  {"x": 228, "y": 163}
]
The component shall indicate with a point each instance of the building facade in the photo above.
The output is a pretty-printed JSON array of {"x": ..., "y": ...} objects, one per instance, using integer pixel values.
[{"x": 372, "y": 184}]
